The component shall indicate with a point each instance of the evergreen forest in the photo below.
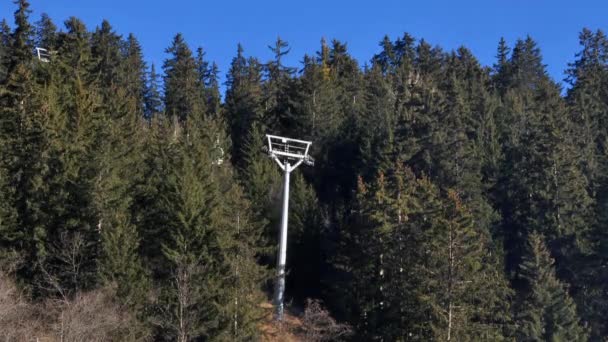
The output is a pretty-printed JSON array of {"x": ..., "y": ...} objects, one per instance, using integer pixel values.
[{"x": 449, "y": 200}]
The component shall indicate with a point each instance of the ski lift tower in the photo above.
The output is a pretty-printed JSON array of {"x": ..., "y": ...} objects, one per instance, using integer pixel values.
[
  {"x": 289, "y": 154},
  {"x": 44, "y": 55}
]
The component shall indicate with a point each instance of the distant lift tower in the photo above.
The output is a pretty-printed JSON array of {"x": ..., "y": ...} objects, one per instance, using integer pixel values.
[
  {"x": 44, "y": 55},
  {"x": 289, "y": 154}
]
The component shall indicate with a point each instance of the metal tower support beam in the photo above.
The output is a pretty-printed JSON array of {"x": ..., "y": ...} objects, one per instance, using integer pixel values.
[
  {"x": 285, "y": 151},
  {"x": 279, "y": 289}
]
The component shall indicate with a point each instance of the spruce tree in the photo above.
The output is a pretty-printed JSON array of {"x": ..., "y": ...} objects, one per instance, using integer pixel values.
[
  {"x": 262, "y": 181},
  {"x": 591, "y": 299},
  {"x": 21, "y": 37},
  {"x": 318, "y": 113},
  {"x": 415, "y": 262},
  {"x": 547, "y": 313},
  {"x": 588, "y": 111},
  {"x": 152, "y": 98},
  {"x": 208, "y": 78},
  {"x": 186, "y": 301},
  {"x": 75, "y": 48},
  {"x": 21, "y": 133},
  {"x": 377, "y": 123},
  {"x": 456, "y": 254},
  {"x": 243, "y": 104},
  {"x": 306, "y": 228},
  {"x": 134, "y": 74},
  {"x": 116, "y": 156},
  {"x": 72, "y": 240},
  {"x": 183, "y": 89},
  {"x": 464, "y": 148},
  {"x": 150, "y": 213},
  {"x": 278, "y": 115},
  {"x": 46, "y": 33},
  {"x": 501, "y": 70},
  {"x": 212, "y": 90},
  {"x": 5, "y": 43},
  {"x": 547, "y": 190},
  {"x": 202, "y": 244},
  {"x": 105, "y": 50},
  {"x": 542, "y": 184},
  {"x": 241, "y": 293},
  {"x": 338, "y": 151}
]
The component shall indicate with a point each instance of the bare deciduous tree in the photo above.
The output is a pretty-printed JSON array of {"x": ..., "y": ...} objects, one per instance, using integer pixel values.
[
  {"x": 90, "y": 316},
  {"x": 318, "y": 325},
  {"x": 181, "y": 313},
  {"x": 18, "y": 319}
]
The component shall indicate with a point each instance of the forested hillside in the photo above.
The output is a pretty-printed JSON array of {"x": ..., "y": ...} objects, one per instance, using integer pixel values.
[{"x": 449, "y": 201}]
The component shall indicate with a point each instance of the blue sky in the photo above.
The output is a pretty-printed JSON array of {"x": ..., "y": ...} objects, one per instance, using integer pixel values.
[{"x": 218, "y": 26}]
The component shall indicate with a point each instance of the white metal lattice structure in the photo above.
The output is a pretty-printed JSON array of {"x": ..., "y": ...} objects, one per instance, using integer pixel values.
[
  {"x": 44, "y": 55},
  {"x": 289, "y": 154}
]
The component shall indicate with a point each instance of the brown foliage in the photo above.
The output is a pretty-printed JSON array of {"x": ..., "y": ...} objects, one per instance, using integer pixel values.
[
  {"x": 92, "y": 316},
  {"x": 318, "y": 325},
  {"x": 18, "y": 319}
]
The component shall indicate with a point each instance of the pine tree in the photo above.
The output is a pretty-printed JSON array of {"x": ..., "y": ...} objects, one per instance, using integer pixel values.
[
  {"x": 134, "y": 72},
  {"x": 501, "y": 70},
  {"x": 186, "y": 302},
  {"x": 306, "y": 228},
  {"x": 464, "y": 148},
  {"x": 319, "y": 116},
  {"x": 20, "y": 134},
  {"x": 121, "y": 262},
  {"x": 46, "y": 33},
  {"x": 337, "y": 151},
  {"x": 547, "y": 191},
  {"x": 240, "y": 295},
  {"x": 208, "y": 78},
  {"x": 588, "y": 111},
  {"x": 262, "y": 182},
  {"x": 543, "y": 187},
  {"x": 588, "y": 105},
  {"x": 71, "y": 243},
  {"x": 5, "y": 43},
  {"x": 212, "y": 90},
  {"x": 316, "y": 102},
  {"x": 377, "y": 142},
  {"x": 152, "y": 99},
  {"x": 7, "y": 219},
  {"x": 278, "y": 116},
  {"x": 526, "y": 63},
  {"x": 105, "y": 50},
  {"x": 117, "y": 155},
  {"x": 547, "y": 313},
  {"x": 243, "y": 103},
  {"x": 457, "y": 252},
  {"x": 202, "y": 66},
  {"x": 377, "y": 276},
  {"x": 149, "y": 210},
  {"x": 21, "y": 37},
  {"x": 183, "y": 89},
  {"x": 387, "y": 59},
  {"x": 202, "y": 245},
  {"x": 416, "y": 259},
  {"x": 591, "y": 298}
]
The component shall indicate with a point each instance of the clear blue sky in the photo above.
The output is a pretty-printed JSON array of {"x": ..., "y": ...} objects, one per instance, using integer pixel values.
[{"x": 218, "y": 26}]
